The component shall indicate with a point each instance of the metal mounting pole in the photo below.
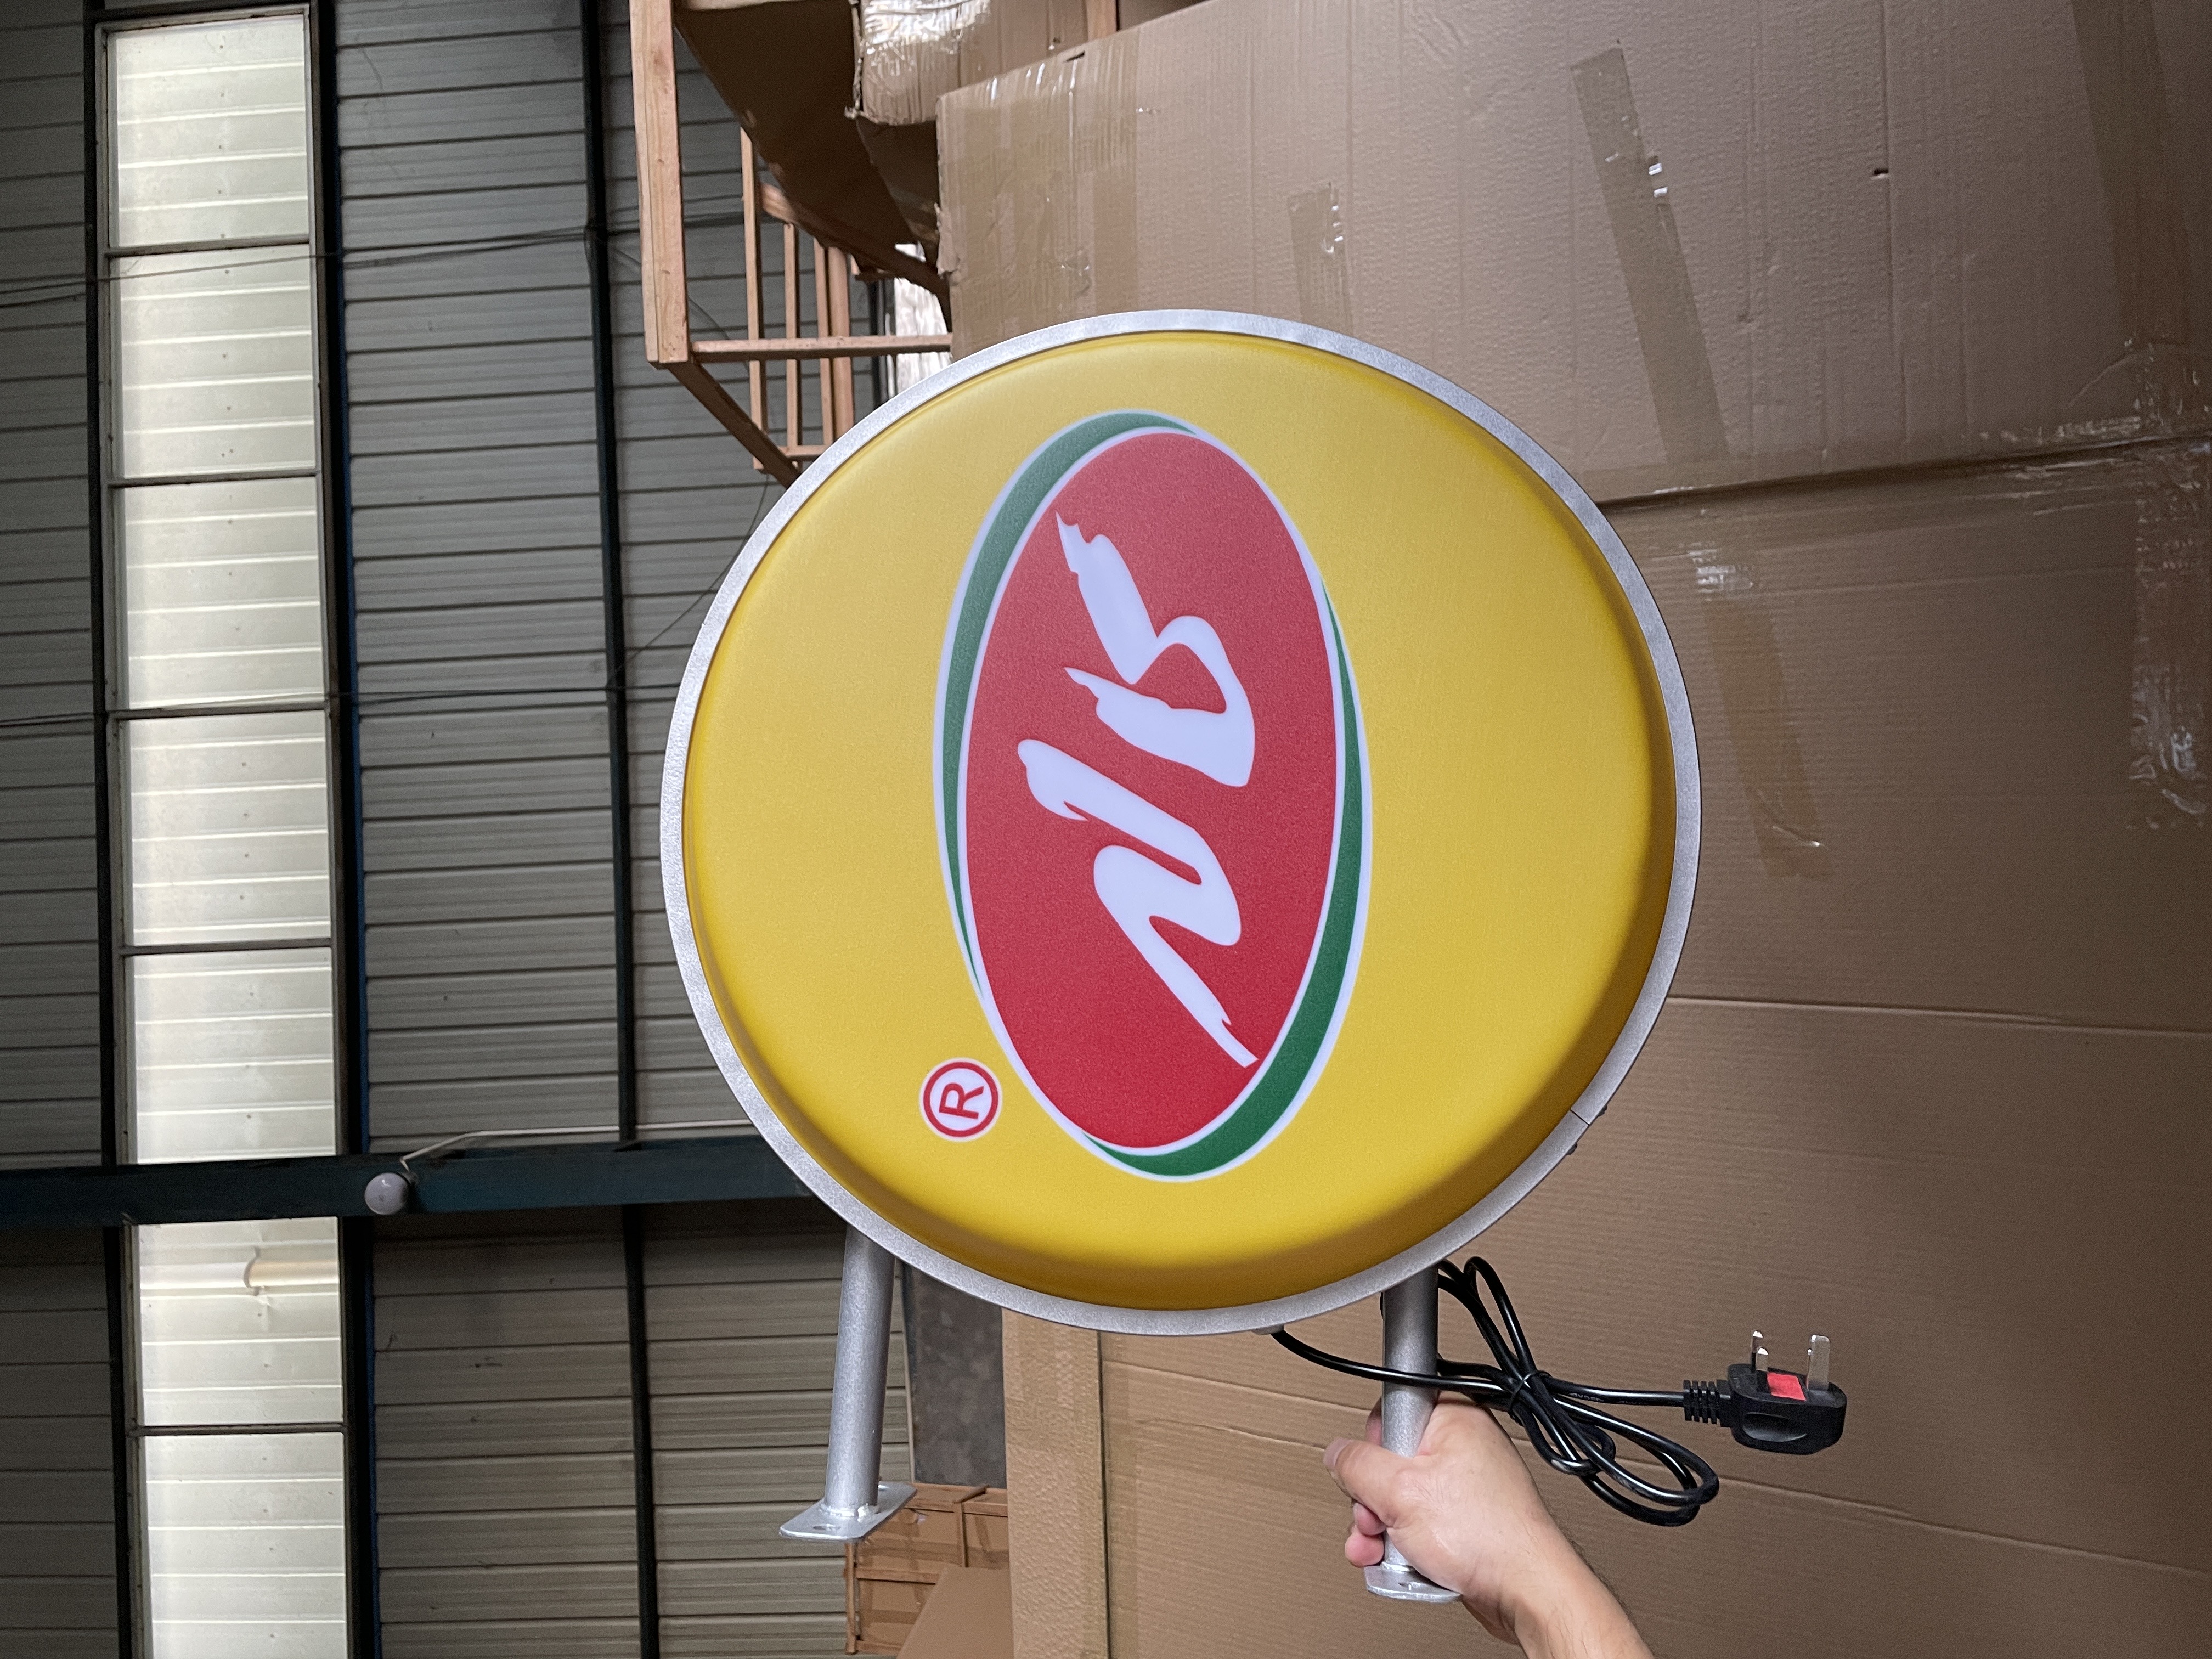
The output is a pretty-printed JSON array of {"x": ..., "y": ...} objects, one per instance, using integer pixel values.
[
  {"x": 855, "y": 1501},
  {"x": 1409, "y": 1343}
]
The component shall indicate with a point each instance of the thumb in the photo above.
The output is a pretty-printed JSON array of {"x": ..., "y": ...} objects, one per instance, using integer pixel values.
[{"x": 1368, "y": 1474}]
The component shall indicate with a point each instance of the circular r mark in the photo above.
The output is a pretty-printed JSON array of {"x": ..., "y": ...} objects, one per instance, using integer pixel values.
[{"x": 960, "y": 1099}]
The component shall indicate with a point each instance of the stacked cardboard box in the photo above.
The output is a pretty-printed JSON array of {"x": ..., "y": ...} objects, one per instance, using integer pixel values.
[
  {"x": 840, "y": 95},
  {"x": 1884, "y": 333},
  {"x": 892, "y": 1575}
]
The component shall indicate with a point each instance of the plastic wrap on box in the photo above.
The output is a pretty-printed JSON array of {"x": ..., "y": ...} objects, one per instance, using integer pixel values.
[
  {"x": 914, "y": 52},
  {"x": 785, "y": 68}
]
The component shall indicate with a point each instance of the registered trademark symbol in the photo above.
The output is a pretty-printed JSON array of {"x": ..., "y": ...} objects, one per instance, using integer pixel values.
[{"x": 960, "y": 1099}]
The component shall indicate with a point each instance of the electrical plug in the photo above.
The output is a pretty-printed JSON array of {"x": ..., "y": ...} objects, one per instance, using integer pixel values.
[{"x": 1772, "y": 1410}]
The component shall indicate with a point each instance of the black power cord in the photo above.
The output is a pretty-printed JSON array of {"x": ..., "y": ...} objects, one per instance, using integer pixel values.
[{"x": 1767, "y": 1410}]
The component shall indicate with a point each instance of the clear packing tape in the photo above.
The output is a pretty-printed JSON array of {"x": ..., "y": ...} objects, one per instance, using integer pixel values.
[{"x": 1040, "y": 210}]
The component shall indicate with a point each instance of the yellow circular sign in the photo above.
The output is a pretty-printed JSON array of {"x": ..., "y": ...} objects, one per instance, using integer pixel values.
[{"x": 1179, "y": 821}]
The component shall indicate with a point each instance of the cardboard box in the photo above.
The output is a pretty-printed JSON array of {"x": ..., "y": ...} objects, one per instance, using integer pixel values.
[
  {"x": 1687, "y": 243},
  {"x": 968, "y": 1617},
  {"x": 893, "y": 1573},
  {"x": 1899, "y": 397},
  {"x": 914, "y": 52},
  {"x": 840, "y": 95},
  {"x": 1932, "y": 1082}
]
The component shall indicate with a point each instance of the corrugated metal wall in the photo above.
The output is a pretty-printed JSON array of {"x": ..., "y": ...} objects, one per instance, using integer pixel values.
[
  {"x": 476, "y": 536},
  {"x": 57, "y": 1485},
  {"x": 504, "y": 1346},
  {"x": 477, "y": 541},
  {"x": 689, "y": 499},
  {"x": 49, "y": 1091},
  {"x": 503, "y": 1438},
  {"x": 504, "y": 1473},
  {"x": 742, "y": 1304}
]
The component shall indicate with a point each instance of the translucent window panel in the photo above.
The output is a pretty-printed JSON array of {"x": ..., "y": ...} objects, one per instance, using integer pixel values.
[
  {"x": 223, "y": 590},
  {"x": 231, "y": 1056},
  {"x": 245, "y": 1546},
  {"x": 230, "y": 829},
  {"x": 214, "y": 363},
  {"x": 238, "y": 1322},
  {"x": 210, "y": 131}
]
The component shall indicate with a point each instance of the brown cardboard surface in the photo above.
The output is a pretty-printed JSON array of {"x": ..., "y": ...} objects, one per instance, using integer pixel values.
[
  {"x": 914, "y": 52},
  {"x": 1925, "y": 709},
  {"x": 1055, "y": 1491},
  {"x": 1899, "y": 398},
  {"x": 891, "y": 1571},
  {"x": 1982, "y": 1216},
  {"x": 925, "y": 1538},
  {"x": 1765, "y": 1570},
  {"x": 969, "y": 1616},
  {"x": 884, "y": 1612},
  {"x": 1933, "y": 1083},
  {"x": 1946, "y": 1198},
  {"x": 1678, "y": 243}
]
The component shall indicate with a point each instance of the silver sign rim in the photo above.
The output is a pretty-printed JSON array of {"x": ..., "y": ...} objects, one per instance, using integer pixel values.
[{"x": 1446, "y": 1240}]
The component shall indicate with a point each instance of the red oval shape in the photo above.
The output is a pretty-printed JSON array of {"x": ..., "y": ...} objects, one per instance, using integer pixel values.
[{"x": 1083, "y": 808}]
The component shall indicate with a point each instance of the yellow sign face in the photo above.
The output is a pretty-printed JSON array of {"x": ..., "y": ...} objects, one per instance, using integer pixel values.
[{"x": 1180, "y": 825}]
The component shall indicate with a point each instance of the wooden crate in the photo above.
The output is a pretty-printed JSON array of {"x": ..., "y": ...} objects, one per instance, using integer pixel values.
[{"x": 888, "y": 1574}]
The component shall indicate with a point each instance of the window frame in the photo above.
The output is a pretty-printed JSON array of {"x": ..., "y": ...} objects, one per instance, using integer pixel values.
[
  {"x": 118, "y": 716},
  {"x": 333, "y": 592}
]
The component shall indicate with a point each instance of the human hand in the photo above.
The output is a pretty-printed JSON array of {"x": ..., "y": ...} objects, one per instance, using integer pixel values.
[{"x": 1465, "y": 1512}]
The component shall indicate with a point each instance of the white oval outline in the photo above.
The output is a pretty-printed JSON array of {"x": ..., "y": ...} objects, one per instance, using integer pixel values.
[
  {"x": 1339, "y": 661},
  {"x": 1370, "y": 1281}
]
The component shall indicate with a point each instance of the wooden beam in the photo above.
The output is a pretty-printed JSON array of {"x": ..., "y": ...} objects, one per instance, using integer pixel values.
[
  {"x": 794, "y": 382},
  {"x": 830, "y": 345},
  {"x": 1055, "y": 1491},
  {"x": 668, "y": 342},
  {"x": 724, "y": 408},
  {"x": 775, "y": 204},
  {"x": 1101, "y": 18},
  {"x": 756, "y": 314},
  {"x": 660, "y": 183},
  {"x": 919, "y": 272},
  {"x": 839, "y": 323}
]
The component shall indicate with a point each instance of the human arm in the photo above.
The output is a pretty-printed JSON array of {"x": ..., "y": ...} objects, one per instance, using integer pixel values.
[{"x": 1465, "y": 1512}]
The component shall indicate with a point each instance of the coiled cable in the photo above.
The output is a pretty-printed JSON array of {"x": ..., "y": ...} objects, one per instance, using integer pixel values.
[{"x": 1562, "y": 1419}]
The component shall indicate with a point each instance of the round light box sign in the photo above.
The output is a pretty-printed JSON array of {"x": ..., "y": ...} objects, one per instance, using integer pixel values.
[{"x": 1179, "y": 821}]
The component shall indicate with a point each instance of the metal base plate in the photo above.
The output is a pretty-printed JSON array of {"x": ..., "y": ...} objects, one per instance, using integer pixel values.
[
  {"x": 1403, "y": 1584},
  {"x": 823, "y": 1525}
]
